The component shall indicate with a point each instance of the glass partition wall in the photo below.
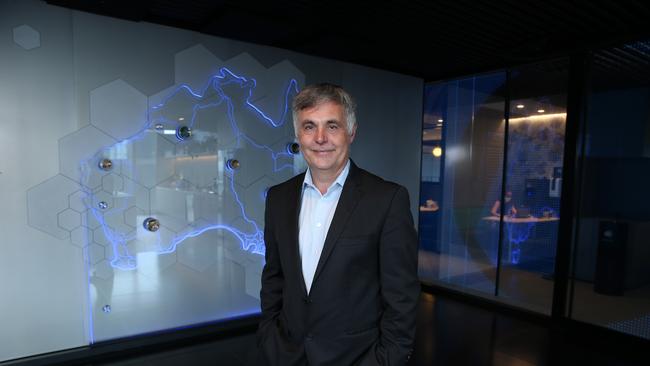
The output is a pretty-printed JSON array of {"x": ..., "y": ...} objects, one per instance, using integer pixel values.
[
  {"x": 532, "y": 183},
  {"x": 610, "y": 278},
  {"x": 463, "y": 119},
  {"x": 491, "y": 171}
]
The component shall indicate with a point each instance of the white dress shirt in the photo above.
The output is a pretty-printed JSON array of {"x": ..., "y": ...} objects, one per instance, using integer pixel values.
[{"x": 316, "y": 213}]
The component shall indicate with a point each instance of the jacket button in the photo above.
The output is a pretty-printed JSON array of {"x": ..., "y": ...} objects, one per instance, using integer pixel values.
[{"x": 309, "y": 336}]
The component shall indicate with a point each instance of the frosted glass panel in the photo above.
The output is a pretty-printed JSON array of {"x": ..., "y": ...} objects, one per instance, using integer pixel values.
[
  {"x": 173, "y": 213},
  {"x": 148, "y": 197}
]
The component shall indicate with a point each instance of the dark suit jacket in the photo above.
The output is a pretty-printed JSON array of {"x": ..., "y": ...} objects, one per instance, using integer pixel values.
[{"x": 362, "y": 305}]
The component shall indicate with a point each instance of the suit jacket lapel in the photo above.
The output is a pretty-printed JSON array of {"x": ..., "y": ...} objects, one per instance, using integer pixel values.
[
  {"x": 347, "y": 202},
  {"x": 294, "y": 222}
]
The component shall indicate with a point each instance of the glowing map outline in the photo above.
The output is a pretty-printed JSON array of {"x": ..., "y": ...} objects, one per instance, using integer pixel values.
[{"x": 252, "y": 241}]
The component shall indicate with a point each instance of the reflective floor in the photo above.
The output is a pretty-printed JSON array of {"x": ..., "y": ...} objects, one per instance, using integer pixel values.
[{"x": 450, "y": 332}]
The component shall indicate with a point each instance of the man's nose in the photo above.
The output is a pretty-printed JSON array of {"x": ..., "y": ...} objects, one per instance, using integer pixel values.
[{"x": 321, "y": 135}]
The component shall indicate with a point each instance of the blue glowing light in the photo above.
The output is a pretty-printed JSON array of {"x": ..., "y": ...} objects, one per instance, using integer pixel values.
[
  {"x": 211, "y": 96},
  {"x": 517, "y": 234}
]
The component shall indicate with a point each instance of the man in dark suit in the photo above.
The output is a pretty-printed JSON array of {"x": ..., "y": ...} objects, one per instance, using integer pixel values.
[{"x": 340, "y": 283}]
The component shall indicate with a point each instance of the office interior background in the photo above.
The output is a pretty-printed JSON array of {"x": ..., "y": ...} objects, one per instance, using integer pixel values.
[{"x": 139, "y": 140}]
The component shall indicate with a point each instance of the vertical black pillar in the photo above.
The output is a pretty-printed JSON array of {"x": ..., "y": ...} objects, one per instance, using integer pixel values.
[{"x": 576, "y": 103}]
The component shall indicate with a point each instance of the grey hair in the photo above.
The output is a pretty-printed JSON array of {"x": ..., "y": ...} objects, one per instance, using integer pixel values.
[{"x": 316, "y": 94}]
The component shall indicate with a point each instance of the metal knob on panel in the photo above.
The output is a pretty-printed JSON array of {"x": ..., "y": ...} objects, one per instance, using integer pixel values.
[
  {"x": 151, "y": 224},
  {"x": 105, "y": 164},
  {"x": 233, "y": 164},
  {"x": 183, "y": 133},
  {"x": 293, "y": 148}
]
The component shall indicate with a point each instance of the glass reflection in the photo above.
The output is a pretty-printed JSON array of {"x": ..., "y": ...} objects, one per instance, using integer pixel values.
[
  {"x": 475, "y": 202},
  {"x": 533, "y": 177},
  {"x": 462, "y": 146}
]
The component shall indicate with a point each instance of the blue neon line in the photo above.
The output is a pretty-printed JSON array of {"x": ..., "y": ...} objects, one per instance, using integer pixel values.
[
  {"x": 292, "y": 84},
  {"x": 519, "y": 236},
  {"x": 241, "y": 205}
]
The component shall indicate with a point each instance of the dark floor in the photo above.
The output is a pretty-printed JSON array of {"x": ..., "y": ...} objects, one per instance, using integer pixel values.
[{"x": 451, "y": 332}]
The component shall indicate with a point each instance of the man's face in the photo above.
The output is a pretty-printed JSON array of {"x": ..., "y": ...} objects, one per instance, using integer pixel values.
[{"x": 323, "y": 137}]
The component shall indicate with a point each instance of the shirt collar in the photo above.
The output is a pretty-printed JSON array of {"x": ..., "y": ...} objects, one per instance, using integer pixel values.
[{"x": 340, "y": 180}]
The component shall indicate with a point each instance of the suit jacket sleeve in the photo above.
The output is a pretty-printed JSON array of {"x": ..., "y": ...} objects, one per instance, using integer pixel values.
[
  {"x": 400, "y": 286},
  {"x": 272, "y": 275}
]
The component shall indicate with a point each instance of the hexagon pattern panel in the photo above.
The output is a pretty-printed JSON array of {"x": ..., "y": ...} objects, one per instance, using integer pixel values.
[
  {"x": 27, "y": 37},
  {"x": 165, "y": 193}
]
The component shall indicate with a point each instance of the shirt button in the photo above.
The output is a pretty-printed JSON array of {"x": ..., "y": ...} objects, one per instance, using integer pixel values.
[{"x": 319, "y": 224}]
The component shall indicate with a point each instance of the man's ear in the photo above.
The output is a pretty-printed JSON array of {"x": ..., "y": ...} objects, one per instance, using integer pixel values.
[{"x": 353, "y": 134}]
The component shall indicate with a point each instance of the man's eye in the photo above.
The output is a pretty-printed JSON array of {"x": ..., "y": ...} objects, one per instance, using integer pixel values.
[
  {"x": 333, "y": 127},
  {"x": 308, "y": 127}
]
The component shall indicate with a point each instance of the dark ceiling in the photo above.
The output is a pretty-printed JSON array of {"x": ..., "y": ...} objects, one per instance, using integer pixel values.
[{"x": 429, "y": 39}]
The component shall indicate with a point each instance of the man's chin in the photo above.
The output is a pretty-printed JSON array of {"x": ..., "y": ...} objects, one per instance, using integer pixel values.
[
  {"x": 321, "y": 164},
  {"x": 322, "y": 167}
]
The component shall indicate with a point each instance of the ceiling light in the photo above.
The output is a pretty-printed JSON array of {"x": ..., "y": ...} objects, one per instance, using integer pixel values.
[
  {"x": 437, "y": 151},
  {"x": 440, "y": 120},
  {"x": 540, "y": 111},
  {"x": 520, "y": 106},
  {"x": 181, "y": 118},
  {"x": 539, "y": 117}
]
